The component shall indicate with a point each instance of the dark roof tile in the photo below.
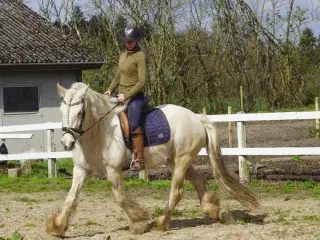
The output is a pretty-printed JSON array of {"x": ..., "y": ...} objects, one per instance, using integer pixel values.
[{"x": 26, "y": 37}]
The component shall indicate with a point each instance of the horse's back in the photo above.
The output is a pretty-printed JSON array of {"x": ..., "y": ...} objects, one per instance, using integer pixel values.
[{"x": 187, "y": 130}]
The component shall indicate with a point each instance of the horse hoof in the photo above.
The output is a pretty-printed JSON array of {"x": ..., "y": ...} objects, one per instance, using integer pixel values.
[
  {"x": 162, "y": 224},
  {"x": 139, "y": 227},
  {"x": 53, "y": 228}
]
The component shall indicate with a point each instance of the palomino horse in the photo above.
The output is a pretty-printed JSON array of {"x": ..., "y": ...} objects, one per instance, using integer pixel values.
[{"x": 100, "y": 149}]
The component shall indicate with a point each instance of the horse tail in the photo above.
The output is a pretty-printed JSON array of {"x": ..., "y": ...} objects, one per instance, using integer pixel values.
[{"x": 223, "y": 177}]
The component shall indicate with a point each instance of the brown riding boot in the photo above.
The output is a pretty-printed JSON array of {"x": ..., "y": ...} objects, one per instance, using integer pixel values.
[{"x": 138, "y": 144}]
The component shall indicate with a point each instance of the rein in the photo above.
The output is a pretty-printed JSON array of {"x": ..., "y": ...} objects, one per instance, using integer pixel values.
[
  {"x": 99, "y": 119},
  {"x": 79, "y": 130}
]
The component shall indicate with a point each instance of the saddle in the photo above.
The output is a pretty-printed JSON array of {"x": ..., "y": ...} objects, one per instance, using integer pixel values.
[{"x": 154, "y": 125}]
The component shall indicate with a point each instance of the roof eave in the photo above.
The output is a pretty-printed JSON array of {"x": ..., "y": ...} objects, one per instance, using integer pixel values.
[{"x": 48, "y": 66}]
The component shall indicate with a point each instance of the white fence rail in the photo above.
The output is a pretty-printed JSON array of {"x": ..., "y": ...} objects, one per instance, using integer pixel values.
[
  {"x": 51, "y": 154},
  {"x": 241, "y": 151}
]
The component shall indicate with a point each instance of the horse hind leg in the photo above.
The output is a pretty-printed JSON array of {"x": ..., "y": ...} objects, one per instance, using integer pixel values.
[
  {"x": 209, "y": 200},
  {"x": 58, "y": 223},
  {"x": 176, "y": 193}
]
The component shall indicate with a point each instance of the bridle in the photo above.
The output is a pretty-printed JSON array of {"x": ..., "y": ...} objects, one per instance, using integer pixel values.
[
  {"x": 78, "y": 132},
  {"x": 74, "y": 131}
]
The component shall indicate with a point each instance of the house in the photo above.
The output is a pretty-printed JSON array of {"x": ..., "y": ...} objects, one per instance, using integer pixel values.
[{"x": 34, "y": 57}]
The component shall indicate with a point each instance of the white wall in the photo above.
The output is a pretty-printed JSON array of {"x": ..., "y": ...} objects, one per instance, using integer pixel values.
[{"x": 49, "y": 105}]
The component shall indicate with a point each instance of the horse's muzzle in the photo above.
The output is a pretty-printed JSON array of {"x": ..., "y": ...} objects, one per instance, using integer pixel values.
[
  {"x": 68, "y": 148},
  {"x": 68, "y": 142}
]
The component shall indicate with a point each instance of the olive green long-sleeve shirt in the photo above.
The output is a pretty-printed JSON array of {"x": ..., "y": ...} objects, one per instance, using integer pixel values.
[{"x": 131, "y": 75}]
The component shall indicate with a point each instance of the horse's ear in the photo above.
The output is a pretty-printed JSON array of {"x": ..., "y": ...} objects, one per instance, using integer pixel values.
[{"x": 61, "y": 90}]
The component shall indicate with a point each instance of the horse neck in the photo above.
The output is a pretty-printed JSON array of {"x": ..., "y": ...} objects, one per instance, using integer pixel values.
[{"x": 97, "y": 106}]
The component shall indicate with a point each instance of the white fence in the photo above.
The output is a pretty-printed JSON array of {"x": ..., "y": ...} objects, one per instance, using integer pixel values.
[{"x": 240, "y": 151}]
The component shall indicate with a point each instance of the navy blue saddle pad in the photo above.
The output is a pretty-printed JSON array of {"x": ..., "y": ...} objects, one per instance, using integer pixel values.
[{"x": 155, "y": 127}]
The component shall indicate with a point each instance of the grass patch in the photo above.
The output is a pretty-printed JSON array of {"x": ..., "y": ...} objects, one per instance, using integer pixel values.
[
  {"x": 26, "y": 200},
  {"x": 2, "y": 225},
  {"x": 192, "y": 213},
  {"x": 36, "y": 181},
  {"x": 296, "y": 159},
  {"x": 158, "y": 212},
  {"x": 308, "y": 188},
  {"x": 15, "y": 236},
  {"x": 312, "y": 218},
  {"x": 169, "y": 233},
  {"x": 277, "y": 212},
  {"x": 157, "y": 197},
  {"x": 29, "y": 225},
  {"x": 91, "y": 222},
  {"x": 281, "y": 218}
]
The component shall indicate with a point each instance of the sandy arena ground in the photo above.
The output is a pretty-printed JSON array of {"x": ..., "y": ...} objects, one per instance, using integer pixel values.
[{"x": 98, "y": 217}]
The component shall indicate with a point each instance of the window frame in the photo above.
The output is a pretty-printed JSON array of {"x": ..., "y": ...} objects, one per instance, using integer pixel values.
[{"x": 39, "y": 112}]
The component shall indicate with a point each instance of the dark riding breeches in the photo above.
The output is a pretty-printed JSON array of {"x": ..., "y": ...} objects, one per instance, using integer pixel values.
[{"x": 135, "y": 106}]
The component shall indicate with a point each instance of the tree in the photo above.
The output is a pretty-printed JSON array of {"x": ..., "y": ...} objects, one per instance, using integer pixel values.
[{"x": 307, "y": 40}]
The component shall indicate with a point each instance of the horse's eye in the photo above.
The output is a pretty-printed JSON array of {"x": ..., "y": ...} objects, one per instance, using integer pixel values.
[{"x": 79, "y": 113}]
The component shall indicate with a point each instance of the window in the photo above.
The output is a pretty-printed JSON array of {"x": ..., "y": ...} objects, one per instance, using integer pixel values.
[{"x": 20, "y": 99}]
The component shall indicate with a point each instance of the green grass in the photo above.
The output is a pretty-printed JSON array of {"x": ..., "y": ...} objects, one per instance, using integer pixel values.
[
  {"x": 157, "y": 197},
  {"x": 308, "y": 188},
  {"x": 159, "y": 211},
  {"x": 29, "y": 225},
  {"x": 312, "y": 218},
  {"x": 36, "y": 181},
  {"x": 296, "y": 159},
  {"x": 28, "y": 201},
  {"x": 91, "y": 222},
  {"x": 15, "y": 236}
]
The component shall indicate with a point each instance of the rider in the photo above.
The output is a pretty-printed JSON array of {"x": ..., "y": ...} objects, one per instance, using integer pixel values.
[{"x": 130, "y": 79}]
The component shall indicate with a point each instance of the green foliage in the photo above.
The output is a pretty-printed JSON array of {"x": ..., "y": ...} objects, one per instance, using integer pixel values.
[
  {"x": 307, "y": 40},
  {"x": 313, "y": 132},
  {"x": 198, "y": 66}
]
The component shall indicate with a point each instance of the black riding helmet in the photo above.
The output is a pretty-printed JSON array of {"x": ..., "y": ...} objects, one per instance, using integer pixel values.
[{"x": 131, "y": 34}]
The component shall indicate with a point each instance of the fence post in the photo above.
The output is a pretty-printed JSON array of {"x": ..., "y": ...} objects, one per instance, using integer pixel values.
[
  {"x": 230, "y": 128},
  {"x": 317, "y": 120},
  {"x": 52, "y": 163},
  {"x": 241, "y": 98},
  {"x": 204, "y": 111},
  {"x": 243, "y": 164}
]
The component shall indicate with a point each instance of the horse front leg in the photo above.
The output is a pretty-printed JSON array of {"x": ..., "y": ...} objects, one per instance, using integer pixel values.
[
  {"x": 138, "y": 217},
  {"x": 58, "y": 223}
]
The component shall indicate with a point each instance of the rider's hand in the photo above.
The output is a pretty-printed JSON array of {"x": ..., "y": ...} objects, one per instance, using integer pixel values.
[
  {"x": 107, "y": 93},
  {"x": 121, "y": 98}
]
